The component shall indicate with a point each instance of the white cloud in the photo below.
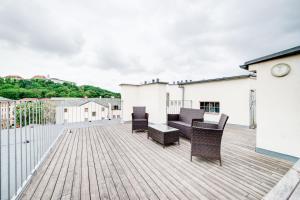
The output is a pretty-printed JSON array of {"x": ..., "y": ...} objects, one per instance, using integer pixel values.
[{"x": 109, "y": 42}]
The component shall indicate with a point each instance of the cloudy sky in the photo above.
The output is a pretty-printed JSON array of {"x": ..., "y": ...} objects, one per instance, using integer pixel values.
[{"x": 105, "y": 43}]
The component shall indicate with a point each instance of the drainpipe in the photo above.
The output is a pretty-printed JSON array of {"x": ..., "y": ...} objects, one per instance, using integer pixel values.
[{"x": 182, "y": 92}]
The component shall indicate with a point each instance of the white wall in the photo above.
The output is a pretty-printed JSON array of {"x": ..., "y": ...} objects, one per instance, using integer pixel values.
[
  {"x": 174, "y": 92},
  {"x": 233, "y": 96},
  {"x": 78, "y": 114},
  {"x": 278, "y": 107},
  {"x": 152, "y": 96}
]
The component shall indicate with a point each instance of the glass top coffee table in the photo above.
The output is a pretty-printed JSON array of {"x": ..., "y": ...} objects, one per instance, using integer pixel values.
[{"x": 163, "y": 134}]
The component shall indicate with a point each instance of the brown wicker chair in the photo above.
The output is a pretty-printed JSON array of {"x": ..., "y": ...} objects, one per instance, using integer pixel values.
[
  {"x": 206, "y": 139},
  {"x": 139, "y": 119}
]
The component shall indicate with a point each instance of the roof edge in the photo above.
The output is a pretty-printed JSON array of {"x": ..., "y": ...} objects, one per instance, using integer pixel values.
[
  {"x": 280, "y": 54},
  {"x": 218, "y": 79}
]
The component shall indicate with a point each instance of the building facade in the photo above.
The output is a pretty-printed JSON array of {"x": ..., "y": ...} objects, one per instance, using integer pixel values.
[
  {"x": 230, "y": 95},
  {"x": 278, "y": 95},
  {"x": 86, "y": 110}
]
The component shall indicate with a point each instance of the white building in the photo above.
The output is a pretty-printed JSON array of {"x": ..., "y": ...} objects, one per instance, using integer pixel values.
[
  {"x": 83, "y": 110},
  {"x": 7, "y": 112},
  {"x": 270, "y": 100},
  {"x": 278, "y": 102},
  {"x": 230, "y": 95}
]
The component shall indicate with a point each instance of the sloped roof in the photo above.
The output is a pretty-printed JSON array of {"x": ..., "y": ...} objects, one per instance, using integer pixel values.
[
  {"x": 2, "y": 99},
  {"x": 217, "y": 79},
  {"x": 79, "y": 102},
  {"x": 280, "y": 54}
]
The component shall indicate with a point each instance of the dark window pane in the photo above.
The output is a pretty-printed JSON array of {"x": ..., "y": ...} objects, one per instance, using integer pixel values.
[
  {"x": 206, "y": 109},
  {"x": 217, "y": 109}
]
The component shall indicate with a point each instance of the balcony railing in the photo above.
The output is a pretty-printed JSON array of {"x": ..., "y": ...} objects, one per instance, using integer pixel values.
[
  {"x": 173, "y": 106},
  {"x": 27, "y": 132}
]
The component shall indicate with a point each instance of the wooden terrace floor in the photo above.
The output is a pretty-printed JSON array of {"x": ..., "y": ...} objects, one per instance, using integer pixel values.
[{"x": 109, "y": 162}]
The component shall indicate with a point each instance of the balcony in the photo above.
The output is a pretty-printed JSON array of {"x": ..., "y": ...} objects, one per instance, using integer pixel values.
[{"x": 109, "y": 162}]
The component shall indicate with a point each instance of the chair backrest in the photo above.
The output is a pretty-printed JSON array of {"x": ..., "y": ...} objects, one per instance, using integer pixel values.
[
  {"x": 139, "y": 112},
  {"x": 222, "y": 121},
  {"x": 188, "y": 114}
]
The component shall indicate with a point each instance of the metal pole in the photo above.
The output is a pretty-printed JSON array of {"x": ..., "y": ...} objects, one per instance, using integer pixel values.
[
  {"x": 25, "y": 125},
  {"x": 8, "y": 151},
  {"x": 30, "y": 144},
  {"x": 41, "y": 147},
  {"x": 21, "y": 141},
  {"x": 0, "y": 149},
  {"x": 15, "y": 124},
  {"x": 37, "y": 134},
  {"x": 33, "y": 135}
]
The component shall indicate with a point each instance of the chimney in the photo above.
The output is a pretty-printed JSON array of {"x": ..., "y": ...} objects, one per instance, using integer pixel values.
[
  {"x": 186, "y": 81},
  {"x": 157, "y": 80},
  {"x": 190, "y": 80},
  {"x": 177, "y": 82},
  {"x": 153, "y": 81},
  {"x": 145, "y": 82},
  {"x": 173, "y": 82}
]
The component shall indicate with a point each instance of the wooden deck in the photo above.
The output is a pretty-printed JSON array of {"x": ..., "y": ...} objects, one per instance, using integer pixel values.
[{"x": 109, "y": 162}]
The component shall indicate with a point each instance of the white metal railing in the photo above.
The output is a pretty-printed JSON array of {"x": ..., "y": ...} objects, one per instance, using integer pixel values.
[
  {"x": 27, "y": 131},
  {"x": 173, "y": 106}
]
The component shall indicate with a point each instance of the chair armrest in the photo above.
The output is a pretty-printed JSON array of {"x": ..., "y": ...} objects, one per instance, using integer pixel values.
[
  {"x": 207, "y": 130},
  {"x": 197, "y": 120},
  {"x": 147, "y": 116},
  {"x": 199, "y": 124},
  {"x": 173, "y": 117}
]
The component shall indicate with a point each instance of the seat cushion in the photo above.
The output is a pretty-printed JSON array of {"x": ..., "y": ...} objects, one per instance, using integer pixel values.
[
  {"x": 139, "y": 112},
  {"x": 188, "y": 114},
  {"x": 181, "y": 123}
]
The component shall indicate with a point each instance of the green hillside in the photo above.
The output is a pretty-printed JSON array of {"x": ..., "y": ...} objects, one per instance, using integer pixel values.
[{"x": 42, "y": 88}]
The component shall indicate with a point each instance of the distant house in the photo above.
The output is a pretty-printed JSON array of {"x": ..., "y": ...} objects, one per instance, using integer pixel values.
[
  {"x": 56, "y": 80},
  {"x": 39, "y": 77},
  {"x": 7, "y": 109},
  {"x": 14, "y": 77},
  {"x": 70, "y": 110}
]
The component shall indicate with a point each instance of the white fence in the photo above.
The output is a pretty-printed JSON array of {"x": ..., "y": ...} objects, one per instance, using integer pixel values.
[
  {"x": 29, "y": 129},
  {"x": 173, "y": 106}
]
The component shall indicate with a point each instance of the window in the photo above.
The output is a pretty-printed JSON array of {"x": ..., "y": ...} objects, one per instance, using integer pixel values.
[
  {"x": 118, "y": 116},
  {"x": 94, "y": 114},
  {"x": 86, "y": 119},
  {"x": 86, "y": 110},
  {"x": 210, "y": 106},
  {"x": 114, "y": 116},
  {"x": 102, "y": 109},
  {"x": 66, "y": 110},
  {"x": 116, "y": 107}
]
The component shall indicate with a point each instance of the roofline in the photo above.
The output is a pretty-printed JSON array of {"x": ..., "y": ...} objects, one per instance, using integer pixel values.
[
  {"x": 126, "y": 84},
  {"x": 280, "y": 54},
  {"x": 94, "y": 102},
  {"x": 218, "y": 79}
]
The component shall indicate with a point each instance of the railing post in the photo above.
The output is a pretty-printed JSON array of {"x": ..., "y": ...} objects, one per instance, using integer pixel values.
[
  {"x": 16, "y": 161},
  {"x": 0, "y": 150},
  {"x": 25, "y": 125},
  {"x": 8, "y": 150}
]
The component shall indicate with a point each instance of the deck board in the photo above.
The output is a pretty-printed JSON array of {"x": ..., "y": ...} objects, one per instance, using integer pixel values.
[{"x": 110, "y": 162}]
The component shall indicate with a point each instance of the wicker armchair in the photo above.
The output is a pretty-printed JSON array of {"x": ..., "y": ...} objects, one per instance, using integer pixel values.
[
  {"x": 139, "y": 119},
  {"x": 206, "y": 139}
]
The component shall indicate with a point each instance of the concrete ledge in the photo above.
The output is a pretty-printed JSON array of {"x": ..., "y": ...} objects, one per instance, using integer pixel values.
[
  {"x": 276, "y": 154},
  {"x": 288, "y": 187}
]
